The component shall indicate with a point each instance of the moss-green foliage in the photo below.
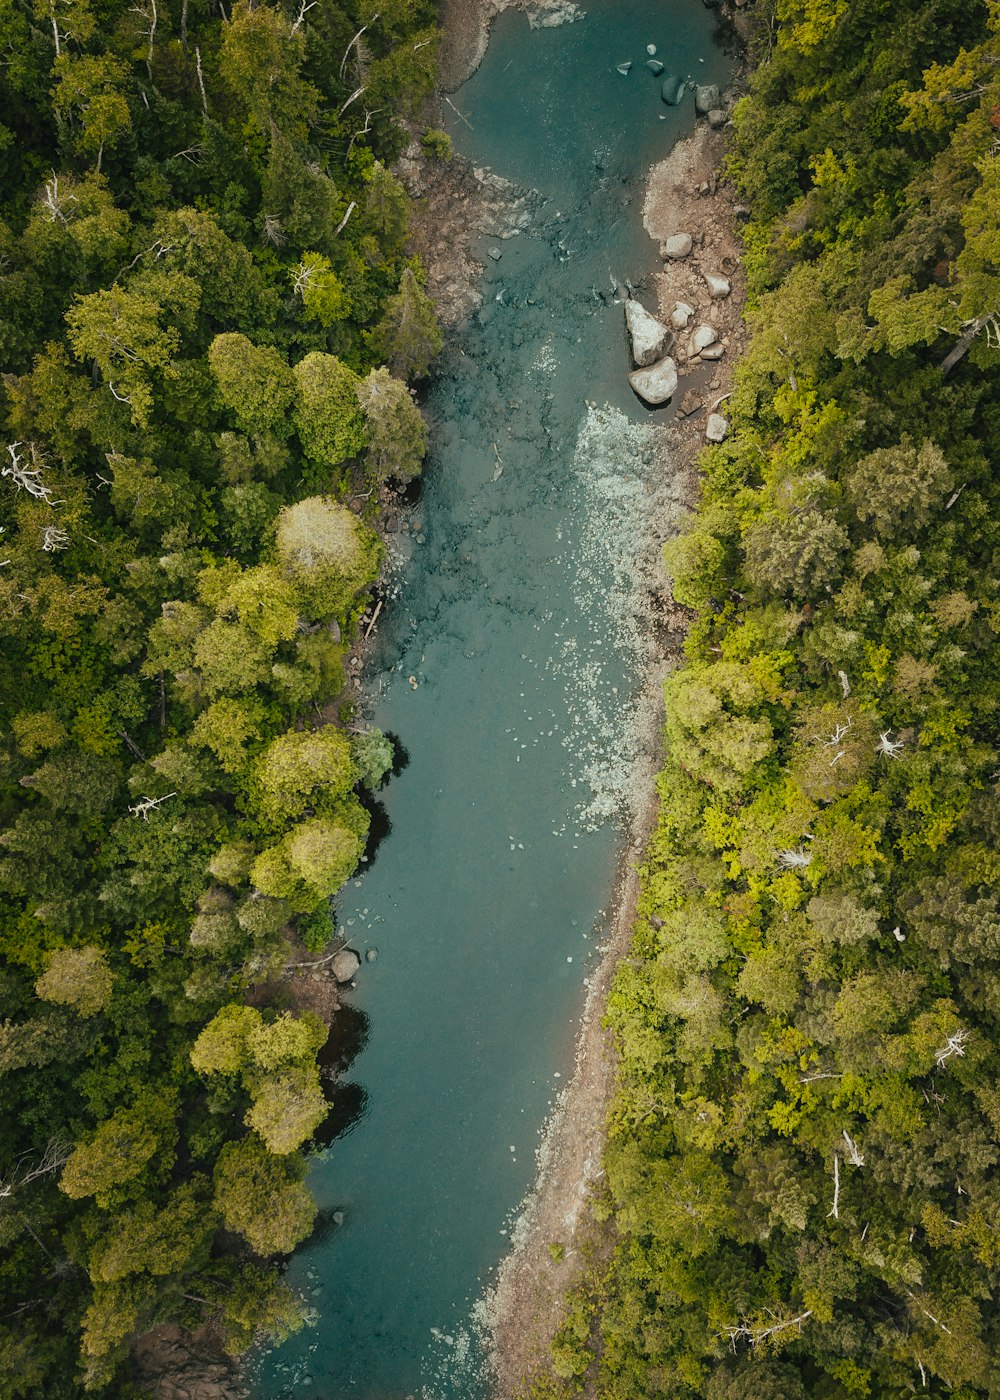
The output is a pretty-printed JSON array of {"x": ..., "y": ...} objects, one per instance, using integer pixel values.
[
  {"x": 802, "y": 1156},
  {"x": 196, "y": 254}
]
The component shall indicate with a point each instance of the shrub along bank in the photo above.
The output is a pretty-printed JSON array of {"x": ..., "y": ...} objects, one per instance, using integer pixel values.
[
  {"x": 207, "y": 321},
  {"x": 802, "y": 1164}
]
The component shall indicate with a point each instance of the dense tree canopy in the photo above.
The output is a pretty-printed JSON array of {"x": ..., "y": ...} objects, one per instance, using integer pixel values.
[
  {"x": 802, "y": 1153},
  {"x": 202, "y": 255}
]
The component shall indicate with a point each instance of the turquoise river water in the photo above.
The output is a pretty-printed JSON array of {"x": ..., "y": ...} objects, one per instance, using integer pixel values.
[{"x": 513, "y": 609}]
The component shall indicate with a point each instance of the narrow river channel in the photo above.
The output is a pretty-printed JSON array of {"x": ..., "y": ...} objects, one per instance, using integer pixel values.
[{"x": 516, "y": 617}]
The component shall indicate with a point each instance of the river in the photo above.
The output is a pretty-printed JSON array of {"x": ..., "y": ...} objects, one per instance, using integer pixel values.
[{"x": 509, "y": 662}]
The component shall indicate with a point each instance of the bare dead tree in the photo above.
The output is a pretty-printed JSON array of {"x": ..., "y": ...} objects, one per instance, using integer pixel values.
[
  {"x": 364, "y": 130},
  {"x": 201, "y": 80},
  {"x": 145, "y": 805},
  {"x": 845, "y": 684},
  {"x": 147, "y": 11},
  {"x": 52, "y": 200},
  {"x": 27, "y": 478},
  {"x": 54, "y": 539},
  {"x": 853, "y": 1155},
  {"x": 272, "y": 231},
  {"x": 988, "y": 322},
  {"x": 303, "y": 11},
  {"x": 889, "y": 747},
  {"x": 954, "y": 1045},
  {"x": 834, "y": 1210},
  {"x": 343, "y": 223},
  {"x": 55, "y": 1156},
  {"x": 756, "y": 1335},
  {"x": 794, "y": 860},
  {"x": 353, "y": 97},
  {"x": 343, "y": 61}
]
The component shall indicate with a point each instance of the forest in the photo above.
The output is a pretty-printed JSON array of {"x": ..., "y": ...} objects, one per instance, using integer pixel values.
[
  {"x": 209, "y": 330},
  {"x": 802, "y": 1160}
]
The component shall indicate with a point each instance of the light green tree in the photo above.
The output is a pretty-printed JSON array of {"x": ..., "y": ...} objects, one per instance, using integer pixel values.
[
  {"x": 79, "y": 978},
  {"x": 254, "y": 382},
  {"x": 327, "y": 413},
  {"x": 328, "y": 553},
  {"x": 262, "y": 1197}
]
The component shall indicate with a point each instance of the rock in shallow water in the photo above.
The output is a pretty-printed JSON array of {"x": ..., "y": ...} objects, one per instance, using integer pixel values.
[
  {"x": 625, "y": 68},
  {"x": 672, "y": 90},
  {"x": 657, "y": 383},
  {"x": 345, "y": 964},
  {"x": 655, "y": 66},
  {"x": 650, "y": 338}
]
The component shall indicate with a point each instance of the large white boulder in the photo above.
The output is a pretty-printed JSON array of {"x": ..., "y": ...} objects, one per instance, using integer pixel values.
[
  {"x": 718, "y": 286},
  {"x": 650, "y": 337},
  {"x": 657, "y": 383}
]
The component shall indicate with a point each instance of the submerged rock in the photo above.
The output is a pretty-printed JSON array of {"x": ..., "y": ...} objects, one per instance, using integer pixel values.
[
  {"x": 678, "y": 245},
  {"x": 718, "y": 286},
  {"x": 680, "y": 317},
  {"x": 655, "y": 66},
  {"x": 672, "y": 90},
  {"x": 651, "y": 49},
  {"x": 345, "y": 964},
  {"x": 371, "y": 955},
  {"x": 707, "y": 97},
  {"x": 657, "y": 383},
  {"x": 702, "y": 337},
  {"x": 625, "y": 68},
  {"x": 650, "y": 338},
  {"x": 716, "y": 428}
]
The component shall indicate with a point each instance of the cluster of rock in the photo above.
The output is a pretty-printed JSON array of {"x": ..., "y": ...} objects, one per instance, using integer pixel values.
[{"x": 673, "y": 87}]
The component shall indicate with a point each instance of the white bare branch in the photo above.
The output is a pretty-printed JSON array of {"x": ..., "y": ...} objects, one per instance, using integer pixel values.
[
  {"x": 838, "y": 735},
  {"x": 930, "y": 1316},
  {"x": 54, "y": 539},
  {"x": 272, "y": 231},
  {"x": 794, "y": 860},
  {"x": 353, "y": 98},
  {"x": 57, "y": 1153},
  {"x": 954, "y": 1045},
  {"x": 343, "y": 223},
  {"x": 756, "y": 1335},
  {"x": 889, "y": 747},
  {"x": 303, "y": 11},
  {"x": 835, "y": 1208},
  {"x": 343, "y": 61},
  {"x": 147, "y": 804},
  {"x": 853, "y": 1155},
  {"x": 845, "y": 684},
  {"x": 27, "y": 478}
]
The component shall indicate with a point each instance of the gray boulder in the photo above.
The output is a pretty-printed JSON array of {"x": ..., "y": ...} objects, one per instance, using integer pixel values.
[
  {"x": 678, "y": 245},
  {"x": 702, "y": 337},
  {"x": 713, "y": 352},
  {"x": 657, "y": 383},
  {"x": 716, "y": 118},
  {"x": 719, "y": 287},
  {"x": 707, "y": 97},
  {"x": 345, "y": 964},
  {"x": 716, "y": 428},
  {"x": 651, "y": 339},
  {"x": 680, "y": 317}
]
